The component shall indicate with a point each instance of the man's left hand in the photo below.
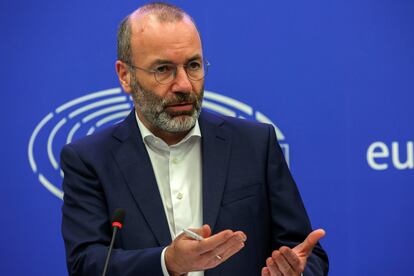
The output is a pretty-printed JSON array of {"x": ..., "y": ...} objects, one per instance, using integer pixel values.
[{"x": 291, "y": 262}]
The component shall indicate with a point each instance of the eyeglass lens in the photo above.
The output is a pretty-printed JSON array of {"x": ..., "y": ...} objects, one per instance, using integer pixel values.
[{"x": 195, "y": 70}]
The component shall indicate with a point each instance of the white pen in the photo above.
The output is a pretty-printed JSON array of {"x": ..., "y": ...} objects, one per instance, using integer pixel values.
[
  {"x": 197, "y": 237},
  {"x": 192, "y": 235}
]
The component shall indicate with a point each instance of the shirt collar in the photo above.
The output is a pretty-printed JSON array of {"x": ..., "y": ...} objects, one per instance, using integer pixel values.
[{"x": 151, "y": 140}]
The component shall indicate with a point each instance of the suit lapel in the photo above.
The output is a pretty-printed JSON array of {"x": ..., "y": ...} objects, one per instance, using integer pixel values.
[
  {"x": 216, "y": 144},
  {"x": 135, "y": 164}
]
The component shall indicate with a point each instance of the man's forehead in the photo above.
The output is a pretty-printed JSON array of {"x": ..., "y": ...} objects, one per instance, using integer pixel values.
[{"x": 151, "y": 36}]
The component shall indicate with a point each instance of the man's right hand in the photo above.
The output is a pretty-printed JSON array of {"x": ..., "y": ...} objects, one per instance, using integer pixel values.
[{"x": 185, "y": 254}]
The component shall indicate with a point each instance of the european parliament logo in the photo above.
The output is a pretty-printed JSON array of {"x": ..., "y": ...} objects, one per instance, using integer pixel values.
[{"x": 87, "y": 114}]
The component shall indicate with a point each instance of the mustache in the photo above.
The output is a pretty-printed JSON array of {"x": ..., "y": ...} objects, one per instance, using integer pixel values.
[{"x": 180, "y": 97}]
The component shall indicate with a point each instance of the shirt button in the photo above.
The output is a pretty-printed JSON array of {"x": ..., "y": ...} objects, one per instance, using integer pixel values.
[
  {"x": 175, "y": 160},
  {"x": 180, "y": 196}
]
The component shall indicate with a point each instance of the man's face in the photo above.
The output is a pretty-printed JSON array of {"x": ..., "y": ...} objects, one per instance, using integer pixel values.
[
  {"x": 158, "y": 112},
  {"x": 172, "y": 107}
]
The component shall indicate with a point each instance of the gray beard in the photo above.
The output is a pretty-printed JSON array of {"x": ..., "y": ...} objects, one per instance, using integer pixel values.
[{"x": 152, "y": 107}]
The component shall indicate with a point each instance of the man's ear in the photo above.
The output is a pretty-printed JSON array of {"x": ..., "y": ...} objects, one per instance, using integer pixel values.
[{"x": 124, "y": 75}]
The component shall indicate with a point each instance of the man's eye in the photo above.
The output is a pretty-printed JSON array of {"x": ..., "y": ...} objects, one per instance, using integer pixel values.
[
  {"x": 194, "y": 65},
  {"x": 164, "y": 69}
]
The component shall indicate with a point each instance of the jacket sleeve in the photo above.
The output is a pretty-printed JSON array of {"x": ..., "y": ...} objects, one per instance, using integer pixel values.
[
  {"x": 290, "y": 222},
  {"x": 86, "y": 226}
]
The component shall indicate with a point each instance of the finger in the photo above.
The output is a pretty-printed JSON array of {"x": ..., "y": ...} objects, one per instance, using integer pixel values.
[
  {"x": 282, "y": 263},
  {"x": 305, "y": 248},
  {"x": 225, "y": 250},
  {"x": 242, "y": 235},
  {"x": 230, "y": 248},
  {"x": 291, "y": 257},
  {"x": 273, "y": 269},
  {"x": 265, "y": 271},
  {"x": 212, "y": 242}
]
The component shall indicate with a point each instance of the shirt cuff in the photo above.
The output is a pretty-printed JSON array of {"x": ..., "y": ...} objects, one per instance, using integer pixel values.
[{"x": 163, "y": 265}]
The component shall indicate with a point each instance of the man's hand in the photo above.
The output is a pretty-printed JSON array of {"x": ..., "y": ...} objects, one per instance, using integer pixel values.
[
  {"x": 290, "y": 262},
  {"x": 185, "y": 254}
]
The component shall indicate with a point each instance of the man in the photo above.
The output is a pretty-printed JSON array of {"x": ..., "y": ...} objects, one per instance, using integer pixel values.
[{"x": 172, "y": 167}]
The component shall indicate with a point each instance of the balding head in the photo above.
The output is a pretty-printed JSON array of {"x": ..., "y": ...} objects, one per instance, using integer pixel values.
[{"x": 133, "y": 24}]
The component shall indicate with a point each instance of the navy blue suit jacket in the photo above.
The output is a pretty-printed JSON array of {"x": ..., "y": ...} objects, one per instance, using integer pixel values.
[{"x": 246, "y": 186}]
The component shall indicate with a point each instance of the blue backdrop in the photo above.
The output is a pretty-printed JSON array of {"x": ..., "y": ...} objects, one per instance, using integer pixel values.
[{"x": 335, "y": 77}]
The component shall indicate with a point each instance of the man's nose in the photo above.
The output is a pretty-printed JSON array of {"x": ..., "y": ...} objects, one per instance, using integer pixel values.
[{"x": 181, "y": 82}]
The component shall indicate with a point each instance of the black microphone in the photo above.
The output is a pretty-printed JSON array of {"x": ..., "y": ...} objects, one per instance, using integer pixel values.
[{"x": 117, "y": 223}]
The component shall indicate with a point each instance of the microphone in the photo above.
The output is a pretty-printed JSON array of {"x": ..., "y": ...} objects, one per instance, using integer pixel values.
[{"x": 117, "y": 223}]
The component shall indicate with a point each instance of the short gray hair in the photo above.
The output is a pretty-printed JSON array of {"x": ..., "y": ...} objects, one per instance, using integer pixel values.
[{"x": 164, "y": 12}]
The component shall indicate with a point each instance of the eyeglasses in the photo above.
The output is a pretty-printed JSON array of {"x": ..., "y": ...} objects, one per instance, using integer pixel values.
[{"x": 166, "y": 73}]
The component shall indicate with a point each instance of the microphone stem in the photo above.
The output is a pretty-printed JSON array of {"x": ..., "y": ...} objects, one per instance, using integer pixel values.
[{"x": 110, "y": 251}]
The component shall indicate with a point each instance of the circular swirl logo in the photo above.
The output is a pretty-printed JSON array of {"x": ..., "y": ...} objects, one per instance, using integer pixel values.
[{"x": 84, "y": 115}]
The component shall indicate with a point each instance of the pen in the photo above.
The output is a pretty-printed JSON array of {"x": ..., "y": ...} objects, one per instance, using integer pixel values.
[
  {"x": 197, "y": 237},
  {"x": 192, "y": 235}
]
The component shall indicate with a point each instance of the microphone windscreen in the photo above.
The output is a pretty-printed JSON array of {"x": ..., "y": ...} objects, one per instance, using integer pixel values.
[{"x": 118, "y": 215}]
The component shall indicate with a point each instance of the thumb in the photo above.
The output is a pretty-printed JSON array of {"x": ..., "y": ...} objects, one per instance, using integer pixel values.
[
  {"x": 204, "y": 231},
  {"x": 305, "y": 248}
]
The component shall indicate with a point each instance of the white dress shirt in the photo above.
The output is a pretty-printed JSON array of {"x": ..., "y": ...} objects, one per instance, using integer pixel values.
[{"x": 177, "y": 170}]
